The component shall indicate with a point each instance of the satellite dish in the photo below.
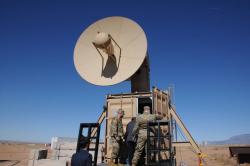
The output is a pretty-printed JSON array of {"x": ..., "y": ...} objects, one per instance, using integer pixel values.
[{"x": 110, "y": 51}]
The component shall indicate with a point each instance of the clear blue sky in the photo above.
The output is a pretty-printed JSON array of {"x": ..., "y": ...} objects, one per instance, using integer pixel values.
[{"x": 202, "y": 47}]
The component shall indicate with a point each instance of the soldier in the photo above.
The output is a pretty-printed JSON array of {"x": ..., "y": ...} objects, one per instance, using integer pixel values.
[
  {"x": 130, "y": 140},
  {"x": 117, "y": 135},
  {"x": 140, "y": 129},
  {"x": 83, "y": 157}
]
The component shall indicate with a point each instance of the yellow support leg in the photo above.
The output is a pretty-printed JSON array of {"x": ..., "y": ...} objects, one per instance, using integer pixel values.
[{"x": 200, "y": 159}]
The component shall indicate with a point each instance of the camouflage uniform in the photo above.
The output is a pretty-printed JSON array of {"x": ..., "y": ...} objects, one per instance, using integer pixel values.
[
  {"x": 141, "y": 129},
  {"x": 117, "y": 134}
]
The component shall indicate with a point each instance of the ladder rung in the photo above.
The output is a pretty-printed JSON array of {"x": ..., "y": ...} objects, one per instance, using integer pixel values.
[
  {"x": 156, "y": 163},
  {"x": 166, "y": 149},
  {"x": 92, "y": 149},
  {"x": 92, "y": 137},
  {"x": 165, "y": 136}
]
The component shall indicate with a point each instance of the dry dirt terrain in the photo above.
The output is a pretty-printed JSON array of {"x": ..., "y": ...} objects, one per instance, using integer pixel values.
[
  {"x": 214, "y": 156},
  {"x": 18, "y": 154}
]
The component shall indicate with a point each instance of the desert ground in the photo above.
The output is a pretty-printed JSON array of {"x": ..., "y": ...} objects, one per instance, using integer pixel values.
[
  {"x": 18, "y": 154},
  {"x": 218, "y": 155}
]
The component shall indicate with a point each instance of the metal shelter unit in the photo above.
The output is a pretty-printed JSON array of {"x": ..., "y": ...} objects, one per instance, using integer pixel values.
[
  {"x": 242, "y": 153},
  {"x": 160, "y": 103}
]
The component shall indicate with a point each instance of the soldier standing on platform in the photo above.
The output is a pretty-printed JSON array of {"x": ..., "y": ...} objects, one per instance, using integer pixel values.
[
  {"x": 130, "y": 140},
  {"x": 117, "y": 136},
  {"x": 140, "y": 129}
]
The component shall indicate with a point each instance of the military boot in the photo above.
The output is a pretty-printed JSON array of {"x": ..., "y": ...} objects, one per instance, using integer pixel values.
[{"x": 111, "y": 163}]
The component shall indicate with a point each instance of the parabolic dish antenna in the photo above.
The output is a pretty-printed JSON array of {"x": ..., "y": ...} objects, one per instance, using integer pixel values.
[{"x": 110, "y": 51}]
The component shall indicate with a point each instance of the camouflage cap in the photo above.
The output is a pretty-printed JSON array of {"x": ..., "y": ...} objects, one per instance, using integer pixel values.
[
  {"x": 83, "y": 141},
  {"x": 146, "y": 108},
  {"x": 120, "y": 111}
]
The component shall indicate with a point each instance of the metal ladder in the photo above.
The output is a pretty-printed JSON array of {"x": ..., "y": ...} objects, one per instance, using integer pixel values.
[
  {"x": 93, "y": 138},
  {"x": 93, "y": 134},
  {"x": 156, "y": 145}
]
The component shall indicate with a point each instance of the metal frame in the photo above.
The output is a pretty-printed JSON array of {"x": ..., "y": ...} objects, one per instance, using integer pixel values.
[
  {"x": 91, "y": 127},
  {"x": 161, "y": 104},
  {"x": 156, "y": 147},
  {"x": 191, "y": 140}
]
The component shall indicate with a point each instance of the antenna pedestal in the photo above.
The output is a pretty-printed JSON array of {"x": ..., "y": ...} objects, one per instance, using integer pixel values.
[{"x": 140, "y": 81}]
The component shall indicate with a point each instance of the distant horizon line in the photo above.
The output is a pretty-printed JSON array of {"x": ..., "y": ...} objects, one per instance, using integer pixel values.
[
  {"x": 49, "y": 142},
  {"x": 23, "y": 142}
]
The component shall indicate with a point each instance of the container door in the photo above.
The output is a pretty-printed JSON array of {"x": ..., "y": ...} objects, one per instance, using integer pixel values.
[
  {"x": 129, "y": 105},
  {"x": 161, "y": 103},
  {"x": 161, "y": 106}
]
